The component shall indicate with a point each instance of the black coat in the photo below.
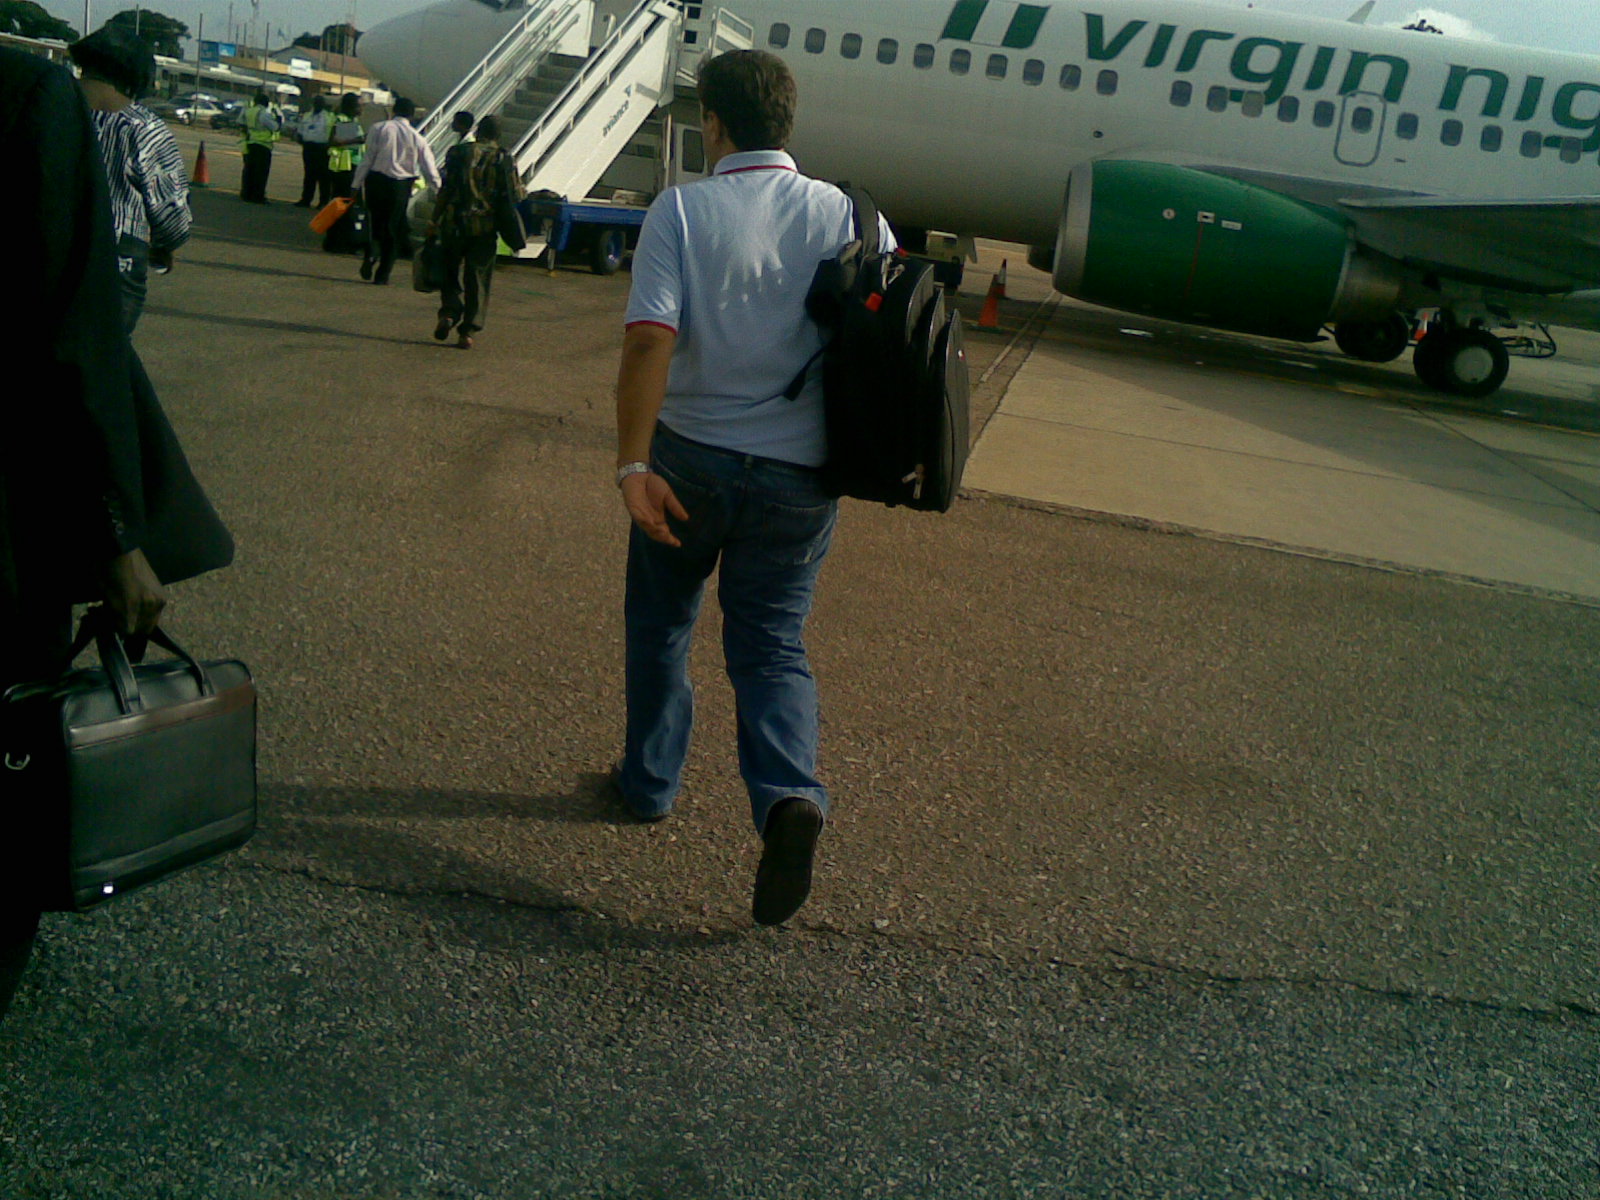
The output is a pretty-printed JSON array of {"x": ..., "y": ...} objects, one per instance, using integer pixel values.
[{"x": 89, "y": 466}]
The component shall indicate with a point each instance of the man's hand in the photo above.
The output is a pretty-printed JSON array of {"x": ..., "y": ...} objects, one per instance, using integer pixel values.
[
  {"x": 649, "y": 499},
  {"x": 134, "y": 593}
]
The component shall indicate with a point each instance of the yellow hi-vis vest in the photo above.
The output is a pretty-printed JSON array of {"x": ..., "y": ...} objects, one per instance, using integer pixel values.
[
  {"x": 251, "y": 130},
  {"x": 343, "y": 158}
]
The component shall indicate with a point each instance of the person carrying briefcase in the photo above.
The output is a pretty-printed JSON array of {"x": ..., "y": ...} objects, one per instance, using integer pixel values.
[{"x": 97, "y": 501}]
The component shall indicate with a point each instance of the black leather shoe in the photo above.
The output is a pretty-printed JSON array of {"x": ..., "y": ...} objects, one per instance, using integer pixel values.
[
  {"x": 441, "y": 331},
  {"x": 366, "y": 268},
  {"x": 783, "y": 879}
]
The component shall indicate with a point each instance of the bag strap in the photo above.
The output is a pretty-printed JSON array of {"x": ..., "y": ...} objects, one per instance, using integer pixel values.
[
  {"x": 865, "y": 214},
  {"x": 864, "y": 219},
  {"x": 98, "y": 626}
]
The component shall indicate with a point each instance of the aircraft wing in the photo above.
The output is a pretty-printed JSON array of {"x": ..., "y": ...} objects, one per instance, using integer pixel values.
[
  {"x": 1547, "y": 246},
  {"x": 1550, "y": 246}
]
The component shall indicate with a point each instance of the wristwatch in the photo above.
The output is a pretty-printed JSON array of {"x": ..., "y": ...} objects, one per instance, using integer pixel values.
[{"x": 631, "y": 468}]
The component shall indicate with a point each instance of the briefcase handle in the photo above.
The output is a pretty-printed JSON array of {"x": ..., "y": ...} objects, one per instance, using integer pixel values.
[{"x": 98, "y": 625}]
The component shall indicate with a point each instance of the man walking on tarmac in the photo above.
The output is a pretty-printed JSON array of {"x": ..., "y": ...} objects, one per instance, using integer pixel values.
[
  {"x": 715, "y": 464},
  {"x": 258, "y": 130},
  {"x": 395, "y": 155}
]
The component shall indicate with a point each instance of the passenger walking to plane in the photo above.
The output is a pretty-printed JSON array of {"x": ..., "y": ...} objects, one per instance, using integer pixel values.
[
  {"x": 315, "y": 130},
  {"x": 395, "y": 155},
  {"x": 86, "y": 443},
  {"x": 460, "y": 129},
  {"x": 345, "y": 145},
  {"x": 481, "y": 186},
  {"x": 144, "y": 167},
  {"x": 258, "y": 130},
  {"x": 717, "y": 466}
]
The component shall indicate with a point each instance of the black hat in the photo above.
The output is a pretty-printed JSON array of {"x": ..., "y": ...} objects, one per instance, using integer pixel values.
[{"x": 122, "y": 60}]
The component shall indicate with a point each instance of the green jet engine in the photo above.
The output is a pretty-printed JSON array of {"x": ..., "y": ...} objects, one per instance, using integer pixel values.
[{"x": 1184, "y": 245}]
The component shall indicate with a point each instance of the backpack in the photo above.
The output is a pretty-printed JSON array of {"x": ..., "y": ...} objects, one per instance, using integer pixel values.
[{"x": 894, "y": 374}]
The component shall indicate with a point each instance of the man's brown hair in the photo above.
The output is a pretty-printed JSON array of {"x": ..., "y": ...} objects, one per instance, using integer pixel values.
[{"x": 753, "y": 95}]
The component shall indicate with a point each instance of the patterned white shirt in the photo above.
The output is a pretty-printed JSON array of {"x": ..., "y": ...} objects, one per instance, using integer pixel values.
[{"x": 149, "y": 186}]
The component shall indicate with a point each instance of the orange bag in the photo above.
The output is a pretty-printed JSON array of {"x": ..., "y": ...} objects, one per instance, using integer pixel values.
[{"x": 329, "y": 216}]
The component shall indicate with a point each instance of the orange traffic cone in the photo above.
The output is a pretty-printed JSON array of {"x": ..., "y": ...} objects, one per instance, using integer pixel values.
[
  {"x": 989, "y": 318},
  {"x": 202, "y": 169}
]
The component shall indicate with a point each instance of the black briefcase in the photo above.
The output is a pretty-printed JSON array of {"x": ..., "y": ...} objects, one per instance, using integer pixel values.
[{"x": 112, "y": 777}]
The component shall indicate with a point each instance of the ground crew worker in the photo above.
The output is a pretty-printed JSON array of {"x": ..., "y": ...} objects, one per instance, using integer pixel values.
[
  {"x": 315, "y": 130},
  {"x": 344, "y": 145},
  {"x": 258, "y": 130}
]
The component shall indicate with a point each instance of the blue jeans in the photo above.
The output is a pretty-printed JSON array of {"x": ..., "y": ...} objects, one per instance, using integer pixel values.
[{"x": 770, "y": 524}]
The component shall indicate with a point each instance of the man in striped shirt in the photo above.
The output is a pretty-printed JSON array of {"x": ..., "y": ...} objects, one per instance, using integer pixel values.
[{"x": 144, "y": 168}]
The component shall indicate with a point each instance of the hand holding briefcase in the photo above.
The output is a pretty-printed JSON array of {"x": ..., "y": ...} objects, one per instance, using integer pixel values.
[{"x": 114, "y": 776}]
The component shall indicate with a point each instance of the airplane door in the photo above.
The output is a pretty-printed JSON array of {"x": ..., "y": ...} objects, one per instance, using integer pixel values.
[
  {"x": 688, "y": 154},
  {"x": 1361, "y": 129}
]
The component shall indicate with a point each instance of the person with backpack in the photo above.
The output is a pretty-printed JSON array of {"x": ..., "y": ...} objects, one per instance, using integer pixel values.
[
  {"x": 719, "y": 468},
  {"x": 481, "y": 186}
]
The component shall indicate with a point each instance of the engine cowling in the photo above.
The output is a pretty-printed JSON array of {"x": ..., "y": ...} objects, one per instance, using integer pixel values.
[{"x": 1185, "y": 245}]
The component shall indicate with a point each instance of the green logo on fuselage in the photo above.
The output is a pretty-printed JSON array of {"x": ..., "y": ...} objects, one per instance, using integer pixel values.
[
  {"x": 1276, "y": 66},
  {"x": 994, "y": 23}
]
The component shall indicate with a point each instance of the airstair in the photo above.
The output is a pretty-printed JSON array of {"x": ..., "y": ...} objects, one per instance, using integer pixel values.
[{"x": 568, "y": 112}]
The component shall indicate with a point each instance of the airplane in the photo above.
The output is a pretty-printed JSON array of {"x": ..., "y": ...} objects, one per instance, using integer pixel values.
[{"x": 1231, "y": 168}]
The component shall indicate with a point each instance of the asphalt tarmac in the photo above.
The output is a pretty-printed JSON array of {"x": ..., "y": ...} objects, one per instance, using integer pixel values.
[{"x": 1160, "y": 866}]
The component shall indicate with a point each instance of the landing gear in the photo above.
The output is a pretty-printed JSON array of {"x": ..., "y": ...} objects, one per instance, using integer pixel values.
[
  {"x": 1374, "y": 341},
  {"x": 1463, "y": 362}
]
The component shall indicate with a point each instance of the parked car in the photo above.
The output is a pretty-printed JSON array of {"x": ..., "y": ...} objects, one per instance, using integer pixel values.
[{"x": 187, "y": 109}]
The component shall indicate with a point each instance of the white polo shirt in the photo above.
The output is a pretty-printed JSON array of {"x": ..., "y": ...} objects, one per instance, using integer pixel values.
[{"x": 725, "y": 263}]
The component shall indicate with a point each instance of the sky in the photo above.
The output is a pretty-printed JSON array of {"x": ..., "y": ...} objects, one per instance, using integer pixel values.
[{"x": 1549, "y": 24}]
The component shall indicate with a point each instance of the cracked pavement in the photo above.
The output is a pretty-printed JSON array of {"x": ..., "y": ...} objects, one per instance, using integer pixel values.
[{"x": 1159, "y": 867}]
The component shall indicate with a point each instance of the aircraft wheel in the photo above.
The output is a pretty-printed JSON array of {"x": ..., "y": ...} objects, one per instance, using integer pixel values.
[
  {"x": 607, "y": 251},
  {"x": 1463, "y": 362},
  {"x": 1374, "y": 341}
]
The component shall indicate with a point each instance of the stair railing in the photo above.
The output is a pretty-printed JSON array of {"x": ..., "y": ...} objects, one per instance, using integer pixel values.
[
  {"x": 501, "y": 71},
  {"x": 540, "y": 142}
]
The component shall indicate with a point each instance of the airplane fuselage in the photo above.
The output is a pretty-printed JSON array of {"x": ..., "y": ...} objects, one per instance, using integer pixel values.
[{"x": 1027, "y": 97}]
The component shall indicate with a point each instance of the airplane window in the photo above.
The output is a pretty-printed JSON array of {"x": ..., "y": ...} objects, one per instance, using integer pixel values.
[
  {"x": 1289, "y": 109},
  {"x": 1491, "y": 138},
  {"x": 960, "y": 62},
  {"x": 1254, "y": 104},
  {"x": 1406, "y": 126},
  {"x": 1571, "y": 150},
  {"x": 1182, "y": 93},
  {"x": 1106, "y": 85},
  {"x": 850, "y": 45},
  {"x": 692, "y": 152},
  {"x": 1532, "y": 144},
  {"x": 1217, "y": 99},
  {"x": 922, "y": 56},
  {"x": 1450, "y": 134},
  {"x": 997, "y": 66},
  {"x": 888, "y": 50},
  {"x": 1361, "y": 119},
  {"x": 1033, "y": 72},
  {"x": 1071, "y": 76},
  {"x": 816, "y": 41},
  {"x": 1322, "y": 114},
  {"x": 778, "y": 36}
]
